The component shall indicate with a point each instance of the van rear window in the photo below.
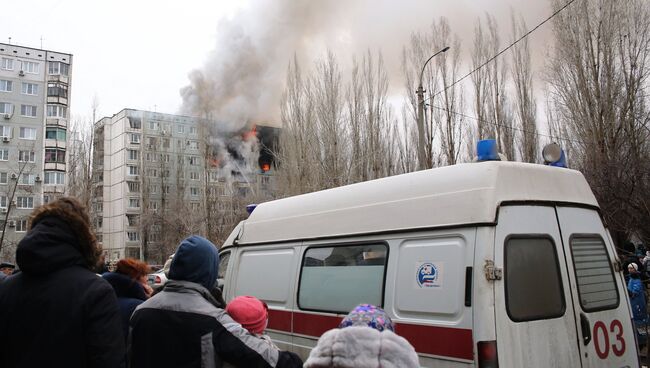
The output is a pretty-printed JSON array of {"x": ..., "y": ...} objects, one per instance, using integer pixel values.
[
  {"x": 336, "y": 279},
  {"x": 594, "y": 275},
  {"x": 532, "y": 279}
]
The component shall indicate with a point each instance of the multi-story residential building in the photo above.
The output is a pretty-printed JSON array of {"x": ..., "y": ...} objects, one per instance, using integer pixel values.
[
  {"x": 160, "y": 177},
  {"x": 34, "y": 111}
]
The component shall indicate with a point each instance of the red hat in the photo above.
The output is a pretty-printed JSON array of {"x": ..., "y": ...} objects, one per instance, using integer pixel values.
[{"x": 250, "y": 312}]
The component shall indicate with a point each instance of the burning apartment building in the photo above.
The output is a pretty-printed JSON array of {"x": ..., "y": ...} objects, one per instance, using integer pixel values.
[{"x": 160, "y": 177}]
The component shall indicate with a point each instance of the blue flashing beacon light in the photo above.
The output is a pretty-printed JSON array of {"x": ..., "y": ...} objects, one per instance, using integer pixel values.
[
  {"x": 486, "y": 150},
  {"x": 250, "y": 208}
]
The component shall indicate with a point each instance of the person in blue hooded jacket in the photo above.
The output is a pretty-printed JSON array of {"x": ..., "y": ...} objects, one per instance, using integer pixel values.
[
  {"x": 183, "y": 325},
  {"x": 636, "y": 292}
]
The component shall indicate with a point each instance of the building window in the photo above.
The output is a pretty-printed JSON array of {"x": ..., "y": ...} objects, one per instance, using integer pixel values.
[
  {"x": 192, "y": 130},
  {"x": 193, "y": 144},
  {"x": 132, "y": 154},
  {"x": 57, "y": 111},
  {"x": 4, "y": 155},
  {"x": 135, "y": 138},
  {"x": 134, "y": 202},
  {"x": 195, "y": 206},
  {"x": 27, "y": 179},
  {"x": 6, "y": 85},
  {"x": 194, "y": 175},
  {"x": 132, "y": 220},
  {"x": 28, "y": 111},
  {"x": 28, "y": 133},
  {"x": 153, "y": 125},
  {"x": 132, "y": 252},
  {"x": 3, "y": 201},
  {"x": 134, "y": 186},
  {"x": 3, "y": 178},
  {"x": 132, "y": 170},
  {"x": 133, "y": 235},
  {"x": 57, "y": 90},
  {"x": 165, "y": 189},
  {"x": 153, "y": 189},
  {"x": 54, "y": 177},
  {"x": 180, "y": 128},
  {"x": 55, "y": 155},
  {"x": 30, "y": 67},
  {"x": 193, "y": 160},
  {"x": 532, "y": 279},
  {"x": 58, "y": 134},
  {"x": 336, "y": 279},
  {"x": 165, "y": 143},
  {"x": 30, "y": 89},
  {"x": 6, "y": 108},
  {"x": 7, "y": 64},
  {"x": 21, "y": 226},
  {"x": 25, "y": 202},
  {"x": 194, "y": 192},
  {"x": 25, "y": 156},
  {"x": 151, "y": 142},
  {"x": 5, "y": 131},
  {"x": 58, "y": 68},
  {"x": 153, "y": 205},
  {"x": 152, "y": 172},
  {"x": 164, "y": 157}
]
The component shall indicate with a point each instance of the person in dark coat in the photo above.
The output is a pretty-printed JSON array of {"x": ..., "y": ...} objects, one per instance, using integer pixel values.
[
  {"x": 59, "y": 313},
  {"x": 182, "y": 326},
  {"x": 130, "y": 285}
]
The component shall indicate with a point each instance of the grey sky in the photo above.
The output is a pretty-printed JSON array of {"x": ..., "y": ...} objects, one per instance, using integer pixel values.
[{"x": 139, "y": 53}]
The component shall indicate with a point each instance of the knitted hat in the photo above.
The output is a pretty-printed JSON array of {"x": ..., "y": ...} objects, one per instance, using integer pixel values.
[
  {"x": 250, "y": 312},
  {"x": 633, "y": 266},
  {"x": 368, "y": 315}
]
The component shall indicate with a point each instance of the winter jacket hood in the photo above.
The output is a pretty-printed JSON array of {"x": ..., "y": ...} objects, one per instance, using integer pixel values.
[
  {"x": 124, "y": 286},
  {"x": 362, "y": 347},
  {"x": 49, "y": 246},
  {"x": 196, "y": 260}
]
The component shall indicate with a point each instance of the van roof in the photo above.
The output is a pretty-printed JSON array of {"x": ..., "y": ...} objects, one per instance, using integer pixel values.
[{"x": 446, "y": 196}]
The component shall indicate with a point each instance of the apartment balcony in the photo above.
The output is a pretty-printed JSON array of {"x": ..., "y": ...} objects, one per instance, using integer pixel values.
[
  {"x": 57, "y": 100},
  {"x": 58, "y": 78},
  {"x": 57, "y": 122},
  {"x": 59, "y": 166},
  {"x": 55, "y": 143}
]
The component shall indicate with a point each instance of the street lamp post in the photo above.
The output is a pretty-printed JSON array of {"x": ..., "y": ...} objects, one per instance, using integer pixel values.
[{"x": 420, "y": 92}]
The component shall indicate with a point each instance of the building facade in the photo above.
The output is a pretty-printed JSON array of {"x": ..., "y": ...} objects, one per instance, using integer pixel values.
[
  {"x": 34, "y": 113},
  {"x": 159, "y": 177}
]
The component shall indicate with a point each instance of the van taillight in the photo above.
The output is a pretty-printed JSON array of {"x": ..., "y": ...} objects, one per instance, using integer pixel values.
[
  {"x": 487, "y": 354},
  {"x": 158, "y": 280}
]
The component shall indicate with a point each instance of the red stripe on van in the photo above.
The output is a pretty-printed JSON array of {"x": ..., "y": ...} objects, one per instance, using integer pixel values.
[
  {"x": 444, "y": 341},
  {"x": 314, "y": 324},
  {"x": 435, "y": 340},
  {"x": 279, "y": 320}
]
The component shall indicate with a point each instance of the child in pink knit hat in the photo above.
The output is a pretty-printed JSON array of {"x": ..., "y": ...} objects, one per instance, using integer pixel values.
[{"x": 251, "y": 313}]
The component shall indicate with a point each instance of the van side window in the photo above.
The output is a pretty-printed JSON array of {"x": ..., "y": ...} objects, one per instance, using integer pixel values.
[
  {"x": 532, "y": 279},
  {"x": 594, "y": 275},
  {"x": 336, "y": 279},
  {"x": 224, "y": 258}
]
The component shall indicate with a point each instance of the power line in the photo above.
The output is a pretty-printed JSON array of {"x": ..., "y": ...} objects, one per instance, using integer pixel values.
[
  {"x": 505, "y": 126},
  {"x": 504, "y": 50}
]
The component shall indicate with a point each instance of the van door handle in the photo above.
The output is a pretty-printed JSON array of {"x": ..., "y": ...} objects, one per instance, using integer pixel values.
[{"x": 586, "y": 329}]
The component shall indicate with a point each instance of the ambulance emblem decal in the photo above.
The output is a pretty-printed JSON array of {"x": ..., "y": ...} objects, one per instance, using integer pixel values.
[{"x": 427, "y": 275}]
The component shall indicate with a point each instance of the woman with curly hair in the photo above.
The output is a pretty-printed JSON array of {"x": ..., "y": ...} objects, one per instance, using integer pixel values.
[{"x": 59, "y": 312}]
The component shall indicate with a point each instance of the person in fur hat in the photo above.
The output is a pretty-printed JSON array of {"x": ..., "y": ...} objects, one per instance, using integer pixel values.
[
  {"x": 59, "y": 312},
  {"x": 364, "y": 339}
]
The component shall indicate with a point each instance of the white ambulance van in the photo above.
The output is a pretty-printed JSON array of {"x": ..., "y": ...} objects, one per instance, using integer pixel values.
[{"x": 490, "y": 264}]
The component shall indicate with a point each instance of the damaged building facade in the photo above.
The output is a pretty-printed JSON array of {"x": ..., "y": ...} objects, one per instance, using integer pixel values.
[{"x": 159, "y": 177}]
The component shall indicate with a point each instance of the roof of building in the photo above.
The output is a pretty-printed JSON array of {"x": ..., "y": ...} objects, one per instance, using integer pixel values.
[{"x": 452, "y": 195}]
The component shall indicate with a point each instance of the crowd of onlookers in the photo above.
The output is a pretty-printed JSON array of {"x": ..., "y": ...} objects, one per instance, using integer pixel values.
[{"x": 59, "y": 312}]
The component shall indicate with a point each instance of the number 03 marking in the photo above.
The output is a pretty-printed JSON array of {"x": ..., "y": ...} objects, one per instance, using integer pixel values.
[{"x": 618, "y": 347}]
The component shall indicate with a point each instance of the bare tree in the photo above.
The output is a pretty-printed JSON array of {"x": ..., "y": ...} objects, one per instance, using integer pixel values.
[
  {"x": 522, "y": 76},
  {"x": 598, "y": 80}
]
